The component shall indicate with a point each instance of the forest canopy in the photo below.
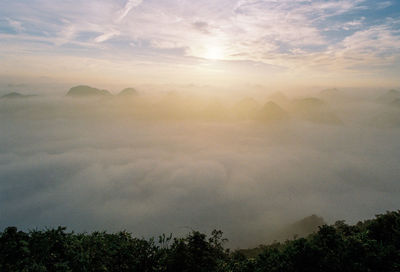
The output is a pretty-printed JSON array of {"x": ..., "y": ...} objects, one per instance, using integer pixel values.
[{"x": 371, "y": 245}]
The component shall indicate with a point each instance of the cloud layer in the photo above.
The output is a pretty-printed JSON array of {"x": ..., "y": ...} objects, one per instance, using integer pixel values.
[{"x": 88, "y": 166}]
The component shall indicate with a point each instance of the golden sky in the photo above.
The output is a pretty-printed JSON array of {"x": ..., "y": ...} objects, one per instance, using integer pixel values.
[{"x": 346, "y": 43}]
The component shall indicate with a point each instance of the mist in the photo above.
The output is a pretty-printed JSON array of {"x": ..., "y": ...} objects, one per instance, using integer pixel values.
[{"x": 172, "y": 162}]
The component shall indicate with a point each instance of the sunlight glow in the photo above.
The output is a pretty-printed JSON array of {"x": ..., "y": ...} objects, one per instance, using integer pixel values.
[{"x": 214, "y": 53}]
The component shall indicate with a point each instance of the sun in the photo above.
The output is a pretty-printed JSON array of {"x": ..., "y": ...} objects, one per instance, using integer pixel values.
[{"x": 214, "y": 53}]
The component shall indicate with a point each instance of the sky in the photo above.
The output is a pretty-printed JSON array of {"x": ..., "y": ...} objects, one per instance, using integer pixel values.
[{"x": 346, "y": 43}]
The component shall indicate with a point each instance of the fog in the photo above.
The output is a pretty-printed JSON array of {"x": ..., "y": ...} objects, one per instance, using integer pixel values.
[{"x": 171, "y": 163}]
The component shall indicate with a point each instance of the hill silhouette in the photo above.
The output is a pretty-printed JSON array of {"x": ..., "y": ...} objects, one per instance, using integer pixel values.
[
  {"x": 331, "y": 95},
  {"x": 128, "y": 92},
  {"x": 246, "y": 108},
  {"x": 86, "y": 91},
  {"x": 307, "y": 103},
  {"x": 389, "y": 96},
  {"x": 314, "y": 110},
  {"x": 272, "y": 112},
  {"x": 300, "y": 228},
  {"x": 279, "y": 98},
  {"x": 13, "y": 95},
  {"x": 396, "y": 103}
]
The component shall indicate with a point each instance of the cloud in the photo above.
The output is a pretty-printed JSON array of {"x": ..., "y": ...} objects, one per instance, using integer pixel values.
[
  {"x": 350, "y": 25},
  {"x": 298, "y": 35},
  {"x": 94, "y": 166},
  {"x": 384, "y": 4},
  {"x": 129, "y": 5},
  {"x": 17, "y": 25},
  {"x": 201, "y": 26},
  {"x": 376, "y": 45},
  {"x": 106, "y": 36}
]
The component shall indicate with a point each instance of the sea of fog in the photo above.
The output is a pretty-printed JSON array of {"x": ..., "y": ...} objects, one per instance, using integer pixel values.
[{"x": 171, "y": 165}]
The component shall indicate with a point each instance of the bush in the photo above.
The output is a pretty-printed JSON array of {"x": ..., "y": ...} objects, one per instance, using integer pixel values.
[{"x": 372, "y": 245}]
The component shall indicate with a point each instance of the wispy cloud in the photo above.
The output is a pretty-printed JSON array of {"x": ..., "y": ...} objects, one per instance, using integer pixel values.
[
  {"x": 106, "y": 36},
  {"x": 16, "y": 25},
  {"x": 130, "y": 4},
  {"x": 384, "y": 4}
]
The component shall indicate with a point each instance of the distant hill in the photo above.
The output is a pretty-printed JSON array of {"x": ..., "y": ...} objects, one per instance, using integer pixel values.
[
  {"x": 396, "y": 103},
  {"x": 314, "y": 110},
  {"x": 272, "y": 112},
  {"x": 87, "y": 91},
  {"x": 128, "y": 92},
  {"x": 301, "y": 228},
  {"x": 307, "y": 103},
  {"x": 279, "y": 98},
  {"x": 389, "y": 96},
  {"x": 298, "y": 229},
  {"x": 13, "y": 95},
  {"x": 334, "y": 96},
  {"x": 247, "y": 103},
  {"x": 329, "y": 93},
  {"x": 246, "y": 108},
  {"x": 388, "y": 116},
  {"x": 214, "y": 110}
]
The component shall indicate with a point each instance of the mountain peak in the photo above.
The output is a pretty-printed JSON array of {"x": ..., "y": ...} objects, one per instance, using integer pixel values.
[
  {"x": 272, "y": 112},
  {"x": 128, "y": 92},
  {"x": 86, "y": 91}
]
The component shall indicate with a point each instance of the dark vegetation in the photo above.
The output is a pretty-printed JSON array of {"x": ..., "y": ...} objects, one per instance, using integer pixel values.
[{"x": 372, "y": 245}]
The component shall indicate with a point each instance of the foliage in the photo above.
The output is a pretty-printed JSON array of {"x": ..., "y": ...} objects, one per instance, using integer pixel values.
[{"x": 372, "y": 245}]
